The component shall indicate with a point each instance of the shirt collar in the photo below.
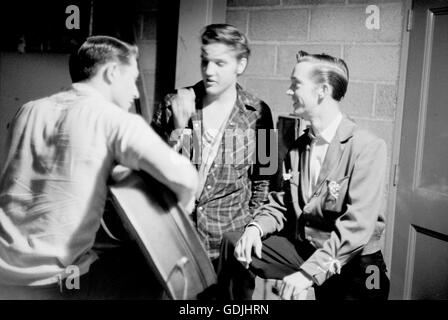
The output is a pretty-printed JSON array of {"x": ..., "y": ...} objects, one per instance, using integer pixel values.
[
  {"x": 87, "y": 89},
  {"x": 330, "y": 131}
]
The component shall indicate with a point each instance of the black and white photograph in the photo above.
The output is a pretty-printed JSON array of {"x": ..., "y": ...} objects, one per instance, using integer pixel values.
[{"x": 224, "y": 155}]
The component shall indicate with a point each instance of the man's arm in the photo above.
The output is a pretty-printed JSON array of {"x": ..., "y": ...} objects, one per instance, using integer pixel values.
[
  {"x": 136, "y": 145},
  {"x": 262, "y": 173},
  {"x": 355, "y": 227}
]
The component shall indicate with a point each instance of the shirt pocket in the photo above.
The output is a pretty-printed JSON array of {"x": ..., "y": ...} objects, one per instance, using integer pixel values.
[{"x": 334, "y": 197}]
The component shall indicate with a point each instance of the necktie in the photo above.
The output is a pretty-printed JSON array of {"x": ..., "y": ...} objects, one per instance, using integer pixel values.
[{"x": 314, "y": 164}]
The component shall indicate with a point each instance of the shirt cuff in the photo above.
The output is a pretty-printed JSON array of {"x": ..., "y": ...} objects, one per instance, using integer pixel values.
[{"x": 256, "y": 225}]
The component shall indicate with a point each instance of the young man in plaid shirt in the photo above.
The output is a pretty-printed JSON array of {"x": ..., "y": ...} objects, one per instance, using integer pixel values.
[{"x": 217, "y": 124}]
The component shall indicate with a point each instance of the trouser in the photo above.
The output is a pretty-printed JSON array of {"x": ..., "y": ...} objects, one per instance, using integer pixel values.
[
  {"x": 281, "y": 257},
  {"x": 120, "y": 273}
]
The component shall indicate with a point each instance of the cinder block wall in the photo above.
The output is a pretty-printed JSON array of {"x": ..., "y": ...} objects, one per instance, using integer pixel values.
[{"x": 277, "y": 29}]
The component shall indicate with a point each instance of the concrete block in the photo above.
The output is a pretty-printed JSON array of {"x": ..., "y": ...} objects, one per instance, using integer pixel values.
[
  {"x": 386, "y": 101},
  {"x": 382, "y": 129},
  {"x": 373, "y": 62},
  {"x": 349, "y": 24},
  {"x": 252, "y": 3},
  {"x": 358, "y": 100},
  {"x": 272, "y": 91},
  {"x": 291, "y": 24},
  {"x": 239, "y": 19},
  {"x": 262, "y": 60},
  {"x": 287, "y": 55}
]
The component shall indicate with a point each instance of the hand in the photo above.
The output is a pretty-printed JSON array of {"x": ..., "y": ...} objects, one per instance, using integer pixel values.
[
  {"x": 183, "y": 106},
  {"x": 294, "y": 286},
  {"x": 120, "y": 172},
  {"x": 250, "y": 239}
]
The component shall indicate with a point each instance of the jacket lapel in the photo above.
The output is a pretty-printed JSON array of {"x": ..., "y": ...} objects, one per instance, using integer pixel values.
[
  {"x": 335, "y": 151},
  {"x": 304, "y": 167}
]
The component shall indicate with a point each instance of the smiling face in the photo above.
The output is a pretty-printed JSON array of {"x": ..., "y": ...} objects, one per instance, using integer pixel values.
[
  {"x": 124, "y": 86},
  {"x": 304, "y": 91},
  {"x": 220, "y": 68}
]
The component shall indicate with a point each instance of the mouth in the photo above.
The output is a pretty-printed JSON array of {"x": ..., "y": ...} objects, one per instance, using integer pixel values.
[{"x": 210, "y": 82}]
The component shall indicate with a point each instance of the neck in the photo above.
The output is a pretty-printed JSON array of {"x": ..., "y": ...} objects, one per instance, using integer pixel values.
[
  {"x": 328, "y": 112},
  {"x": 227, "y": 97},
  {"x": 99, "y": 86}
]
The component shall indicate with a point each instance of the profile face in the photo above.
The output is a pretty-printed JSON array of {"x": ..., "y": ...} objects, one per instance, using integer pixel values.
[
  {"x": 125, "y": 85},
  {"x": 303, "y": 91},
  {"x": 220, "y": 68}
]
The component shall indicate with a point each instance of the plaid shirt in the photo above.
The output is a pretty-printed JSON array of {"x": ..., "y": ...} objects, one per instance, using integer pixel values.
[{"x": 234, "y": 186}]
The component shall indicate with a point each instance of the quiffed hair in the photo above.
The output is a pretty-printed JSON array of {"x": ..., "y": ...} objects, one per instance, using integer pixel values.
[
  {"x": 328, "y": 69},
  {"x": 95, "y": 52},
  {"x": 229, "y": 35}
]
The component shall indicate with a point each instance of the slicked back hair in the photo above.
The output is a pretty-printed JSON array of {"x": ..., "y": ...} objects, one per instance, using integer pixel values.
[
  {"x": 228, "y": 35},
  {"x": 97, "y": 51},
  {"x": 328, "y": 69}
]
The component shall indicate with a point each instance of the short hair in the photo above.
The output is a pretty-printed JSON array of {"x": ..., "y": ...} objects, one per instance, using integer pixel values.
[
  {"x": 328, "y": 69},
  {"x": 229, "y": 35},
  {"x": 97, "y": 51}
]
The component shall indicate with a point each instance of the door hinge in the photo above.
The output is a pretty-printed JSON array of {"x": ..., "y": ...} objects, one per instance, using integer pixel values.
[
  {"x": 396, "y": 173},
  {"x": 409, "y": 22}
]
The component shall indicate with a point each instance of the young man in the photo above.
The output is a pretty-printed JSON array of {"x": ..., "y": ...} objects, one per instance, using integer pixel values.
[
  {"x": 53, "y": 186},
  {"x": 216, "y": 123},
  {"x": 325, "y": 227}
]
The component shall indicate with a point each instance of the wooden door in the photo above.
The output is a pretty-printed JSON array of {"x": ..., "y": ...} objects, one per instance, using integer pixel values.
[{"x": 419, "y": 268}]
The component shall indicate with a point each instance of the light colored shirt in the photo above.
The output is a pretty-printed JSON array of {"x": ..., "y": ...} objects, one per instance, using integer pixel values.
[
  {"x": 319, "y": 147},
  {"x": 53, "y": 186}
]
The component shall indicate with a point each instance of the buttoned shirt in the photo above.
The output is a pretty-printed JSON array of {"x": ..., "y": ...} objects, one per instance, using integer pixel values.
[
  {"x": 319, "y": 147},
  {"x": 233, "y": 187}
]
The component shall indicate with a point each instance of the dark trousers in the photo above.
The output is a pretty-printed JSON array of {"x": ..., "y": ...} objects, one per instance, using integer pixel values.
[
  {"x": 282, "y": 257},
  {"x": 120, "y": 273}
]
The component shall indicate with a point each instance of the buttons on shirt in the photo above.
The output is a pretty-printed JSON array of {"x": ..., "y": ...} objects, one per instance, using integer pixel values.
[
  {"x": 209, "y": 187},
  {"x": 200, "y": 208},
  {"x": 309, "y": 238}
]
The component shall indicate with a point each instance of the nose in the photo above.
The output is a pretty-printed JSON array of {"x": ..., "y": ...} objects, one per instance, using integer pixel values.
[{"x": 209, "y": 69}]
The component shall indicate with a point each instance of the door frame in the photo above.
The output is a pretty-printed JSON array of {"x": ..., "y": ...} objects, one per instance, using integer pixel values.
[{"x": 395, "y": 161}]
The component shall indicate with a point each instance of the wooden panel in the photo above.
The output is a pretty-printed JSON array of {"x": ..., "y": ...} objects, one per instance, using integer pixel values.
[{"x": 427, "y": 263}]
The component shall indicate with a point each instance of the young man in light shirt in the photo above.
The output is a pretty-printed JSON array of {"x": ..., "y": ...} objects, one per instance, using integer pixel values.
[
  {"x": 53, "y": 187},
  {"x": 325, "y": 228}
]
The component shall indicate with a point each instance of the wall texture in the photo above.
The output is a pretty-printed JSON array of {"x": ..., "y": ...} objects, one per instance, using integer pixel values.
[{"x": 277, "y": 29}]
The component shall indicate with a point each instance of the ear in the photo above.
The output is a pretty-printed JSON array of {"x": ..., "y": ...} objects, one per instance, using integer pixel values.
[
  {"x": 325, "y": 90},
  {"x": 110, "y": 72},
  {"x": 242, "y": 64}
]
